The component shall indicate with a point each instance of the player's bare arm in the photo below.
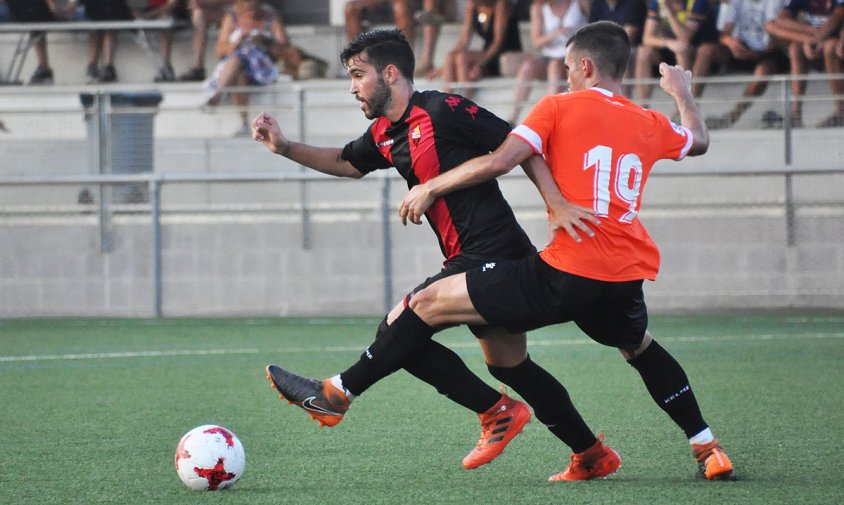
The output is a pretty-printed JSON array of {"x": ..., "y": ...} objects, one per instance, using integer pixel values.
[
  {"x": 475, "y": 171},
  {"x": 677, "y": 82},
  {"x": 562, "y": 214},
  {"x": 266, "y": 130}
]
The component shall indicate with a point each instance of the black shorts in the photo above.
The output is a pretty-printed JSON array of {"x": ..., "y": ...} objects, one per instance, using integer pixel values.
[
  {"x": 527, "y": 294},
  {"x": 107, "y": 10},
  {"x": 453, "y": 267},
  {"x": 30, "y": 10}
]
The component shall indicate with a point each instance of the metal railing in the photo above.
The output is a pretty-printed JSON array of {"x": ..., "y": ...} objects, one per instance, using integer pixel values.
[{"x": 155, "y": 183}]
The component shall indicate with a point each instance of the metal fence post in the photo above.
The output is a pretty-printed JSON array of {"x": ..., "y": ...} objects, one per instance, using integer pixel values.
[
  {"x": 102, "y": 117},
  {"x": 789, "y": 190},
  {"x": 155, "y": 196},
  {"x": 387, "y": 243},
  {"x": 303, "y": 185}
]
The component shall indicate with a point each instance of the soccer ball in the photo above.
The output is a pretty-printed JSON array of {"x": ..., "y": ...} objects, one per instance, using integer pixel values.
[{"x": 210, "y": 457}]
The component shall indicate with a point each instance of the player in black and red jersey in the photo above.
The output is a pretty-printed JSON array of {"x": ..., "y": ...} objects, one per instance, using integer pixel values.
[{"x": 423, "y": 134}]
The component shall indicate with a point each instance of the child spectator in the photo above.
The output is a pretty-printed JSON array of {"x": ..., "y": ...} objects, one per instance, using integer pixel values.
[
  {"x": 495, "y": 21},
  {"x": 551, "y": 24},
  {"x": 745, "y": 46},
  {"x": 812, "y": 31}
]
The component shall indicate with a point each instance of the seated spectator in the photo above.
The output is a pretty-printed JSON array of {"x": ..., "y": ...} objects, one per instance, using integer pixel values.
[
  {"x": 495, "y": 21},
  {"x": 35, "y": 11},
  {"x": 356, "y": 11},
  {"x": 202, "y": 13},
  {"x": 164, "y": 9},
  {"x": 745, "y": 46},
  {"x": 672, "y": 30},
  {"x": 433, "y": 14},
  {"x": 552, "y": 22},
  {"x": 252, "y": 38},
  {"x": 630, "y": 14},
  {"x": 812, "y": 31},
  {"x": 103, "y": 43}
]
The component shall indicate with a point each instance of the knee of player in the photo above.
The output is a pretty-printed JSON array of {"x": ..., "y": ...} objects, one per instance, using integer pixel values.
[{"x": 424, "y": 304}]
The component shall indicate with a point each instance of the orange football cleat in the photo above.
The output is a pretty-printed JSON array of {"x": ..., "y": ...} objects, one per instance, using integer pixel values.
[
  {"x": 593, "y": 463},
  {"x": 713, "y": 463},
  {"x": 499, "y": 425}
]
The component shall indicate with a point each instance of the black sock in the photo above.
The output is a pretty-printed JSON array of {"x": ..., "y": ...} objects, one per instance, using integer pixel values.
[
  {"x": 394, "y": 345},
  {"x": 550, "y": 401},
  {"x": 442, "y": 368},
  {"x": 669, "y": 387}
]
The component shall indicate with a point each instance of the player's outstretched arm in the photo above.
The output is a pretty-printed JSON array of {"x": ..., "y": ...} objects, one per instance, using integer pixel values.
[
  {"x": 677, "y": 82},
  {"x": 562, "y": 214},
  {"x": 471, "y": 173},
  {"x": 266, "y": 130}
]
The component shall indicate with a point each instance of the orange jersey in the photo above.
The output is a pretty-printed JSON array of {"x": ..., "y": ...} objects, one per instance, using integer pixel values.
[{"x": 600, "y": 148}]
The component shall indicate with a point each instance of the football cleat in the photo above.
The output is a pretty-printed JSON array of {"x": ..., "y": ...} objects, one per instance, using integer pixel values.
[
  {"x": 593, "y": 463},
  {"x": 320, "y": 399},
  {"x": 713, "y": 463},
  {"x": 499, "y": 425}
]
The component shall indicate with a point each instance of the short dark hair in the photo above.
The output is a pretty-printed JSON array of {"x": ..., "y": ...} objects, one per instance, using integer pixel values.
[
  {"x": 606, "y": 43},
  {"x": 383, "y": 47}
]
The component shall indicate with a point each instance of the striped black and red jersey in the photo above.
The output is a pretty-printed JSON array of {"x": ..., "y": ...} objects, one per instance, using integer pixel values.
[{"x": 438, "y": 132}]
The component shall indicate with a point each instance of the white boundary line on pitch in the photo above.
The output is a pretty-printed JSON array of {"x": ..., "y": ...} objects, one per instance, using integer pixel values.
[{"x": 462, "y": 345}]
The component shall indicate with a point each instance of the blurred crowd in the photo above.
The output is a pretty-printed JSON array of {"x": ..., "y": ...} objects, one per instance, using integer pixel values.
[{"x": 758, "y": 37}]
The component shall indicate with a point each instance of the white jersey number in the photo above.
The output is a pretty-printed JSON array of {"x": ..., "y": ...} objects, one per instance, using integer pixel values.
[{"x": 628, "y": 180}]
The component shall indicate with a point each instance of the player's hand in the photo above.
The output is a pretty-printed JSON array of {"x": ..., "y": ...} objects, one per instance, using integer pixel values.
[
  {"x": 675, "y": 80},
  {"x": 265, "y": 129},
  {"x": 572, "y": 218},
  {"x": 415, "y": 203}
]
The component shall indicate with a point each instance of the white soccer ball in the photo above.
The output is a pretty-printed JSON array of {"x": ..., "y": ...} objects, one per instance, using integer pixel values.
[{"x": 210, "y": 457}]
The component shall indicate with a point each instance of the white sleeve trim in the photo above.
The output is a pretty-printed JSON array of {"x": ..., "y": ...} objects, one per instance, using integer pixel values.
[
  {"x": 690, "y": 139},
  {"x": 529, "y": 136}
]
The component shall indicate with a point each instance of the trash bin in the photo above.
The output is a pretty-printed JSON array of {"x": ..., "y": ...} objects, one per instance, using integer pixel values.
[{"x": 131, "y": 136}]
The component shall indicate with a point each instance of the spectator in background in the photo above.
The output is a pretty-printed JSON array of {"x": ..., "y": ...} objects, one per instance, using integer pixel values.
[
  {"x": 203, "y": 13},
  {"x": 552, "y": 22},
  {"x": 672, "y": 30},
  {"x": 812, "y": 30},
  {"x": 433, "y": 14},
  {"x": 356, "y": 10},
  {"x": 36, "y": 11},
  {"x": 630, "y": 14},
  {"x": 252, "y": 37},
  {"x": 495, "y": 21},
  {"x": 164, "y": 9},
  {"x": 103, "y": 43},
  {"x": 745, "y": 46}
]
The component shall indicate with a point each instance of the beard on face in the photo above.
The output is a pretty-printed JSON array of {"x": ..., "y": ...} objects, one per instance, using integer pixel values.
[{"x": 381, "y": 96}]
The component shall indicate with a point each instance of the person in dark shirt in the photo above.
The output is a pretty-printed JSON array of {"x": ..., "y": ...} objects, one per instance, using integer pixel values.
[{"x": 424, "y": 134}]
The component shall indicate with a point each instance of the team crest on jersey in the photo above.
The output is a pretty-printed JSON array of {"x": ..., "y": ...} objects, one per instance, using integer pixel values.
[{"x": 416, "y": 135}]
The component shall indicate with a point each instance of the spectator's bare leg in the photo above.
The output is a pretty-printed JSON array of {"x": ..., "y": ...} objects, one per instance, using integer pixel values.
[
  {"x": 232, "y": 71},
  {"x": 646, "y": 58},
  {"x": 200, "y": 37},
  {"x": 833, "y": 65},
  {"x": 403, "y": 13},
  {"x": 354, "y": 18},
  {"x": 799, "y": 67},
  {"x": 530, "y": 70}
]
